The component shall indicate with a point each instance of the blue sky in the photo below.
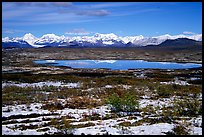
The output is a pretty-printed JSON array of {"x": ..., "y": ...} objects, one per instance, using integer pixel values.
[{"x": 87, "y": 18}]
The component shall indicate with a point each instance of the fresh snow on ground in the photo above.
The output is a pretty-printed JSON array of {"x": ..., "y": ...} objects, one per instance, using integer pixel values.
[
  {"x": 177, "y": 82},
  {"x": 155, "y": 129},
  {"x": 100, "y": 127},
  {"x": 8, "y": 131},
  {"x": 41, "y": 84},
  {"x": 108, "y": 126},
  {"x": 196, "y": 131},
  {"x": 160, "y": 102},
  {"x": 24, "y": 109}
]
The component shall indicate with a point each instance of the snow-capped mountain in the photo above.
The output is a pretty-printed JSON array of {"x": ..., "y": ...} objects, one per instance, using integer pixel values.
[
  {"x": 131, "y": 39},
  {"x": 30, "y": 39},
  {"x": 52, "y": 40},
  {"x": 48, "y": 38},
  {"x": 6, "y": 39},
  {"x": 197, "y": 37},
  {"x": 160, "y": 39}
]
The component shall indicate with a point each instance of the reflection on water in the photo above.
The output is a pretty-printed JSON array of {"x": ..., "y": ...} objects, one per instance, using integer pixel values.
[{"x": 118, "y": 64}]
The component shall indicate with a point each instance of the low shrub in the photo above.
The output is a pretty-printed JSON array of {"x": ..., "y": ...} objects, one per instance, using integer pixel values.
[
  {"x": 164, "y": 90},
  {"x": 123, "y": 101},
  {"x": 82, "y": 102},
  {"x": 187, "y": 107}
]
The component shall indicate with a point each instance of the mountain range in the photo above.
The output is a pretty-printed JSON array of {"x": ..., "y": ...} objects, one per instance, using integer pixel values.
[{"x": 97, "y": 40}]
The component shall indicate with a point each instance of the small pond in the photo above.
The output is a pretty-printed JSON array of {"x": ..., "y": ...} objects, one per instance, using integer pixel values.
[{"x": 117, "y": 64}]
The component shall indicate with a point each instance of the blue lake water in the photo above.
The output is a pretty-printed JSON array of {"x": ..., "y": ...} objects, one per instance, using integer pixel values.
[{"x": 118, "y": 64}]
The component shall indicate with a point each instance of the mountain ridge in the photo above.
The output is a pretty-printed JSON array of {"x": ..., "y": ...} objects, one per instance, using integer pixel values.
[{"x": 97, "y": 40}]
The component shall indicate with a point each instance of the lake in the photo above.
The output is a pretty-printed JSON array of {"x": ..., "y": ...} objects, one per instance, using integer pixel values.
[{"x": 118, "y": 64}]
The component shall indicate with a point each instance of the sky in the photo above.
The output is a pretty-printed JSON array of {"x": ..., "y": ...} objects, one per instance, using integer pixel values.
[{"x": 87, "y": 18}]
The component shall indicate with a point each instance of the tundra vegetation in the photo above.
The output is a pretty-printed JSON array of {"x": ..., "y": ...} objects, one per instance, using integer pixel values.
[{"x": 98, "y": 101}]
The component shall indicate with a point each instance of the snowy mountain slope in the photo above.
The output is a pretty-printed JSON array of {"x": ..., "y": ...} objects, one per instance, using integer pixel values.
[
  {"x": 52, "y": 40},
  {"x": 30, "y": 39},
  {"x": 14, "y": 44}
]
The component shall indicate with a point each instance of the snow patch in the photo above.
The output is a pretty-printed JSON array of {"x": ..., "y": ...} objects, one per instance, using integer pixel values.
[{"x": 41, "y": 84}]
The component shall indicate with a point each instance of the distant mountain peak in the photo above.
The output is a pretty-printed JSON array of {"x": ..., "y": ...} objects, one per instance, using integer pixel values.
[
  {"x": 48, "y": 36},
  {"x": 105, "y": 35},
  {"x": 179, "y": 42},
  {"x": 165, "y": 36},
  {"x": 6, "y": 39},
  {"x": 28, "y": 36},
  {"x": 109, "y": 39}
]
